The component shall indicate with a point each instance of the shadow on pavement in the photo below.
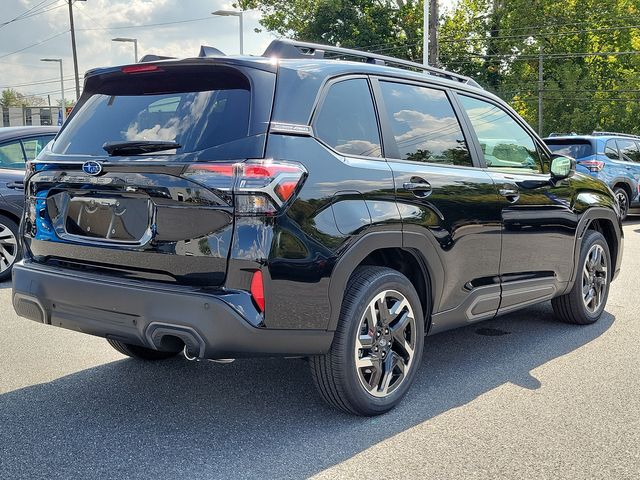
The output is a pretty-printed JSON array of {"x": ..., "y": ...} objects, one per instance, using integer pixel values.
[{"x": 258, "y": 418}]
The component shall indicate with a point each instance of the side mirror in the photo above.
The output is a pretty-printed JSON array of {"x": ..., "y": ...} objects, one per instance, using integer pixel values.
[{"x": 562, "y": 167}]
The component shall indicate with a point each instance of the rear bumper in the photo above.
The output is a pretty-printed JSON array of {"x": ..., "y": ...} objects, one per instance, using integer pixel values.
[{"x": 152, "y": 316}]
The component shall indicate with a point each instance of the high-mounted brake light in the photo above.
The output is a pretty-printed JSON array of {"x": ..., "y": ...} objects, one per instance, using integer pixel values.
[
  {"x": 260, "y": 187},
  {"x": 141, "y": 69}
]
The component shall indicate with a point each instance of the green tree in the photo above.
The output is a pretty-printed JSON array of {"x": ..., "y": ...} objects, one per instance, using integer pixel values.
[
  {"x": 498, "y": 43},
  {"x": 11, "y": 98},
  {"x": 391, "y": 27}
]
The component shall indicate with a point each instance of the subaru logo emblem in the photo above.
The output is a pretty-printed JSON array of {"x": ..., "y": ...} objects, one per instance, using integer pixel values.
[{"x": 91, "y": 168}]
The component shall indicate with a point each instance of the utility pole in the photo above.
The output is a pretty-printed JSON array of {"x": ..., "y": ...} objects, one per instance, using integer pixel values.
[
  {"x": 433, "y": 33},
  {"x": 73, "y": 48},
  {"x": 425, "y": 33},
  {"x": 540, "y": 90}
]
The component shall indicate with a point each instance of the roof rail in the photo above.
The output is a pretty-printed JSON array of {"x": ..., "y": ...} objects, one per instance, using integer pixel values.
[
  {"x": 595, "y": 134},
  {"x": 285, "y": 48},
  {"x": 558, "y": 134}
]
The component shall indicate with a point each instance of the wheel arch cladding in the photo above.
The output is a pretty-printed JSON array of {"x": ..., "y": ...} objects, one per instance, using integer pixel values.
[
  {"x": 606, "y": 222},
  {"x": 626, "y": 186},
  {"x": 382, "y": 249},
  {"x": 606, "y": 228}
]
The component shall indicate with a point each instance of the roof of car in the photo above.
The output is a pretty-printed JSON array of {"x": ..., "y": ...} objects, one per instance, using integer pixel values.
[
  {"x": 591, "y": 137},
  {"x": 10, "y": 133},
  {"x": 316, "y": 67}
]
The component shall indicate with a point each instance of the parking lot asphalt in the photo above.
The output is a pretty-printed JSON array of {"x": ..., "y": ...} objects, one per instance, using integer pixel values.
[{"x": 542, "y": 400}]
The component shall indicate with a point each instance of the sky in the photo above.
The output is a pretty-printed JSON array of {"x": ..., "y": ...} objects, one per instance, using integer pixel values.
[{"x": 97, "y": 22}]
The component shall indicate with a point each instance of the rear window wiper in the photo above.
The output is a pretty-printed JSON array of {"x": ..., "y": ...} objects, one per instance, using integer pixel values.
[{"x": 136, "y": 147}]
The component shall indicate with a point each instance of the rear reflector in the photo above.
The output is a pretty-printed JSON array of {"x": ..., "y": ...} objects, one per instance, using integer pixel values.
[
  {"x": 257, "y": 290},
  {"x": 141, "y": 69}
]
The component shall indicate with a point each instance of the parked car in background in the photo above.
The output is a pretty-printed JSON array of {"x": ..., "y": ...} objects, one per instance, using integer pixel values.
[
  {"x": 17, "y": 145},
  {"x": 614, "y": 158}
]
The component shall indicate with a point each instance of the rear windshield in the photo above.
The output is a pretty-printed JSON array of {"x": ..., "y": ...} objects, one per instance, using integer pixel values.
[
  {"x": 571, "y": 148},
  {"x": 206, "y": 113}
]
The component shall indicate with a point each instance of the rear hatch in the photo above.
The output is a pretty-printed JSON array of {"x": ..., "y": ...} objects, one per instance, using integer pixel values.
[{"x": 139, "y": 182}]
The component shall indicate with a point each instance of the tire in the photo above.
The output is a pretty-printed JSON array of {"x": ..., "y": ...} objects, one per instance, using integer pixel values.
[
  {"x": 140, "y": 353},
  {"x": 623, "y": 201},
  {"x": 594, "y": 276},
  {"x": 366, "y": 389},
  {"x": 10, "y": 251}
]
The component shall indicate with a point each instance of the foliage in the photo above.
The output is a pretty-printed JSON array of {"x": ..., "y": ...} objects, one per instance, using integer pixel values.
[
  {"x": 12, "y": 98},
  {"x": 386, "y": 26},
  {"x": 497, "y": 42}
]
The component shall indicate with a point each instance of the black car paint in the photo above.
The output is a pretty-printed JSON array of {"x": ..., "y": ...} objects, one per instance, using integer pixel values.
[{"x": 481, "y": 255}]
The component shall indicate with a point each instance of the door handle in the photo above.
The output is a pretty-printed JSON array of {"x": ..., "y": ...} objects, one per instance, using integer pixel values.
[
  {"x": 419, "y": 186},
  {"x": 512, "y": 195},
  {"x": 16, "y": 185}
]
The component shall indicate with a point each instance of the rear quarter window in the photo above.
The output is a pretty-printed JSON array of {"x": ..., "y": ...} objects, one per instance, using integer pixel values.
[{"x": 346, "y": 120}]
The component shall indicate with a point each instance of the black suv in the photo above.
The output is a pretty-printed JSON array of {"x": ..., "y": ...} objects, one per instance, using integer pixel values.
[{"x": 295, "y": 205}]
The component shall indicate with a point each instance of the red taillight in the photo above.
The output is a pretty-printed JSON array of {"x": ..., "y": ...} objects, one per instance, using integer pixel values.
[
  {"x": 141, "y": 69},
  {"x": 260, "y": 187},
  {"x": 592, "y": 165},
  {"x": 257, "y": 290}
]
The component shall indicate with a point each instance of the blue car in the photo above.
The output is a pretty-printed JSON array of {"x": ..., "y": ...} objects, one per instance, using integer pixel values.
[{"x": 614, "y": 158}]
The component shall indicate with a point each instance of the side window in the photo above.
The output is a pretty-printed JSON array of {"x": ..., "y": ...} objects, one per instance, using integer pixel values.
[
  {"x": 629, "y": 150},
  {"x": 505, "y": 144},
  {"x": 347, "y": 120},
  {"x": 611, "y": 150},
  {"x": 424, "y": 124},
  {"x": 11, "y": 155},
  {"x": 33, "y": 146}
]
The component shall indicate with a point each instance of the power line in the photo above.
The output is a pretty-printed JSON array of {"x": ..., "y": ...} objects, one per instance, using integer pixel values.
[
  {"x": 41, "y": 82},
  {"x": 147, "y": 25},
  {"x": 23, "y": 14},
  {"x": 32, "y": 12},
  {"x": 451, "y": 39},
  {"x": 34, "y": 45},
  {"x": 609, "y": 20}
]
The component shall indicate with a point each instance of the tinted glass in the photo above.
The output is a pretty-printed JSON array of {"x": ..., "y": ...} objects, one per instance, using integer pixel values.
[
  {"x": 347, "y": 120},
  {"x": 611, "y": 150},
  {"x": 504, "y": 142},
  {"x": 571, "y": 148},
  {"x": 11, "y": 155},
  {"x": 424, "y": 124},
  {"x": 214, "y": 111},
  {"x": 33, "y": 146},
  {"x": 629, "y": 150}
]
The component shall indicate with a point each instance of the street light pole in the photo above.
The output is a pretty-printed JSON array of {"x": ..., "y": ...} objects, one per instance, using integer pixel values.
[
  {"x": 129, "y": 40},
  {"x": 240, "y": 15},
  {"x": 63, "y": 102}
]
